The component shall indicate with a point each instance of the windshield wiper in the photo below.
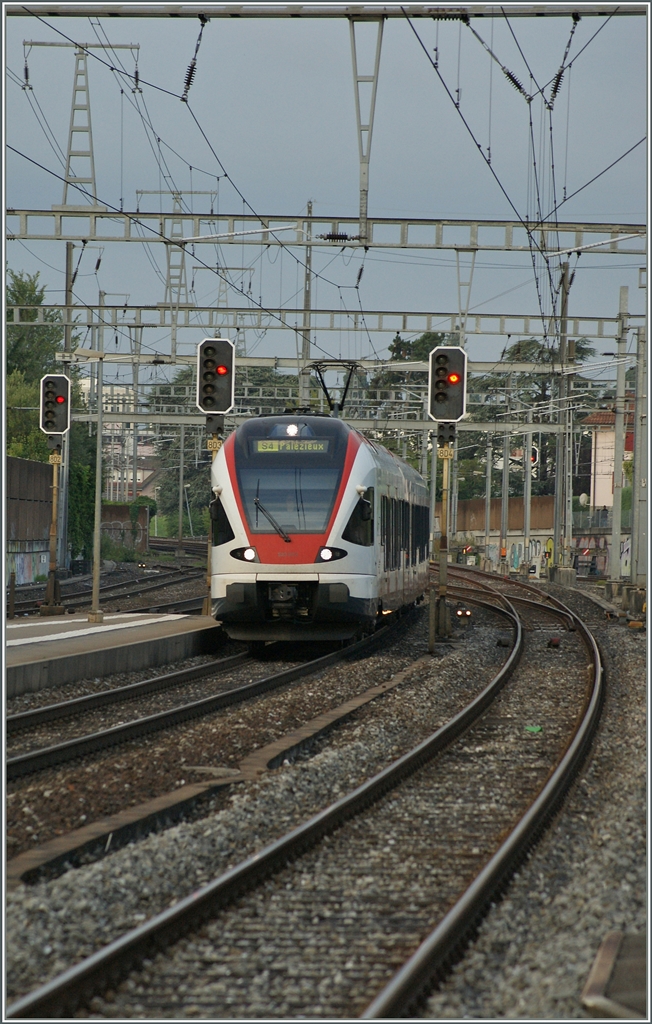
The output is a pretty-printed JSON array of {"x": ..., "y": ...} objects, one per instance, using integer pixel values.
[{"x": 279, "y": 529}]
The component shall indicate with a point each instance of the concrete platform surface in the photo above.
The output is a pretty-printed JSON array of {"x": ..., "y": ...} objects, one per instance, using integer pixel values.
[
  {"x": 36, "y": 639},
  {"x": 48, "y": 652}
]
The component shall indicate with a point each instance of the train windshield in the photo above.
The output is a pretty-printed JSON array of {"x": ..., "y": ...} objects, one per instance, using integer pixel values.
[{"x": 289, "y": 471}]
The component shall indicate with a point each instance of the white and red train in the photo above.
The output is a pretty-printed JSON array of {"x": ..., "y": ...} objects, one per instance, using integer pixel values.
[{"x": 317, "y": 531}]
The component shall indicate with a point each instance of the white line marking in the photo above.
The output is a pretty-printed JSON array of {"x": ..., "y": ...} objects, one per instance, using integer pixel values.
[
  {"x": 93, "y": 629},
  {"x": 22, "y": 625}
]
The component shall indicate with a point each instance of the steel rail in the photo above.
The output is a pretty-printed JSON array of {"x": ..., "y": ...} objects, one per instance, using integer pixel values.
[
  {"x": 79, "y": 705},
  {"x": 75, "y": 986},
  {"x": 60, "y": 753},
  {"x": 140, "y": 584},
  {"x": 410, "y": 983}
]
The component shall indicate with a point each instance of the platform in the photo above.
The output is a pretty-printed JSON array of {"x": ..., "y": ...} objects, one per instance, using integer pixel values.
[{"x": 48, "y": 652}]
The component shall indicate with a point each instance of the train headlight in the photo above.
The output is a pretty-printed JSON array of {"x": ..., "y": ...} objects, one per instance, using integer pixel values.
[
  {"x": 245, "y": 554},
  {"x": 330, "y": 554},
  {"x": 292, "y": 430}
]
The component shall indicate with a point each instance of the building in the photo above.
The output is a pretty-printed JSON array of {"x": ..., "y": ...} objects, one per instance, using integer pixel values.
[{"x": 602, "y": 424}]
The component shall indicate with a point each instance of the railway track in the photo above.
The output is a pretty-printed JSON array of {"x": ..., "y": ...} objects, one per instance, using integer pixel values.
[
  {"x": 338, "y": 882},
  {"x": 126, "y": 588},
  {"x": 191, "y": 547},
  {"x": 51, "y": 756}
]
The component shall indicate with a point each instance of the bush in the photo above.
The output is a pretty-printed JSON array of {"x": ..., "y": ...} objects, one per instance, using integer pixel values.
[{"x": 116, "y": 552}]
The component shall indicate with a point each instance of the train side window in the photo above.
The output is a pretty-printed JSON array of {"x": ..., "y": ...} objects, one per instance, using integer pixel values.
[
  {"x": 222, "y": 532},
  {"x": 360, "y": 527}
]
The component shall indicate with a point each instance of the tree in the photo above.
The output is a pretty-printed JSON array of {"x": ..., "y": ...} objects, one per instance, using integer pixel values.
[
  {"x": 24, "y": 439},
  {"x": 31, "y": 350}
]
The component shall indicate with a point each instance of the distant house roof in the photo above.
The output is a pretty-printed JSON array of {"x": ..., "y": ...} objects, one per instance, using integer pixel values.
[{"x": 606, "y": 418}]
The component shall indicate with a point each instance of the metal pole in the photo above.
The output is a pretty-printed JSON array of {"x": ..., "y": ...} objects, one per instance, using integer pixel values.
[
  {"x": 560, "y": 447},
  {"x": 432, "y": 607},
  {"x": 51, "y": 595},
  {"x": 182, "y": 441},
  {"x": 487, "y": 503},
  {"x": 185, "y": 487},
  {"x": 640, "y": 475},
  {"x": 504, "y": 510},
  {"x": 568, "y": 456},
  {"x": 443, "y": 624},
  {"x": 64, "y": 473},
  {"x": 12, "y": 595},
  {"x": 527, "y": 495},
  {"x": 433, "y": 494},
  {"x": 96, "y": 614},
  {"x": 214, "y": 445},
  {"x": 619, "y": 436},
  {"x": 454, "y": 494},
  {"x": 304, "y": 376},
  {"x": 365, "y": 128}
]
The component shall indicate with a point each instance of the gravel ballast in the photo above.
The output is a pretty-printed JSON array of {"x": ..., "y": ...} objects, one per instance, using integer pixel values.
[
  {"x": 586, "y": 877},
  {"x": 43, "y": 931},
  {"x": 534, "y": 949}
]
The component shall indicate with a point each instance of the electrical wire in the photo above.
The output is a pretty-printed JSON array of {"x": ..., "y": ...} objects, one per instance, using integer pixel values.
[
  {"x": 591, "y": 180},
  {"x": 44, "y": 126},
  {"x": 133, "y": 219},
  {"x": 176, "y": 96}
]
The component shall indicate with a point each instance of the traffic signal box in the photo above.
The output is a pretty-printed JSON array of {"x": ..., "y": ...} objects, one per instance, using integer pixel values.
[
  {"x": 215, "y": 375},
  {"x": 55, "y": 404},
  {"x": 447, "y": 384},
  {"x": 445, "y": 435}
]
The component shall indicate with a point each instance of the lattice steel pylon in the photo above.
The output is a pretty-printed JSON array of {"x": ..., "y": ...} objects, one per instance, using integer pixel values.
[
  {"x": 176, "y": 285},
  {"x": 365, "y": 106},
  {"x": 80, "y": 136}
]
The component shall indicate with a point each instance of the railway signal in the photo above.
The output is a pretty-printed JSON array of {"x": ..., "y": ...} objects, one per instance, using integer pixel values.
[
  {"x": 445, "y": 435},
  {"x": 55, "y": 404},
  {"x": 447, "y": 384},
  {"x": 215, "y": 376}
]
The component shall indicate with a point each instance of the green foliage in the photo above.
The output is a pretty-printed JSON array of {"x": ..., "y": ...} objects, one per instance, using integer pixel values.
[
  {"x": 31, "y": 350},
  {"x": 81, "y": 509},
  {"x": 24, "y": 440},
  {"x": 115, "y": 551},
  {"x": 81, "y": 490}
]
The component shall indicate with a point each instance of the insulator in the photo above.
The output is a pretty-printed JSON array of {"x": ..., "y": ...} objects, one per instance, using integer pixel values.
[
  {"x": 556, "y": 84},
  {"x": 26, "y": 72},
  {"x": 136, "y": 87},
  {"x": 514, "y": 80},
  {"x": 97, "y": 265},
  {"x": 190, "y": 74},
  {"x": 334, "y": 236},
  {"x": 360, "y": 273}
]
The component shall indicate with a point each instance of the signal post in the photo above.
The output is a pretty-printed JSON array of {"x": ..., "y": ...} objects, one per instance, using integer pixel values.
[
  {"x": 55, "y": 422},
  {"x": 215, "y": 397},
  {"x": 446, "y": 405}
]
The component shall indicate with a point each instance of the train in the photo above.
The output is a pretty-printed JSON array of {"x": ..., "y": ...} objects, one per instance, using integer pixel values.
[{"x": 317, "y": 531}]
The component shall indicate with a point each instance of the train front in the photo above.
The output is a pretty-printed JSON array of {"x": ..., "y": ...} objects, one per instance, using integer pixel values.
[{"x": 285, "y": 500}]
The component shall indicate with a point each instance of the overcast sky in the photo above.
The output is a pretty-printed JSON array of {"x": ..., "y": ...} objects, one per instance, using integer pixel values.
[{"x": 275, "y": 99}]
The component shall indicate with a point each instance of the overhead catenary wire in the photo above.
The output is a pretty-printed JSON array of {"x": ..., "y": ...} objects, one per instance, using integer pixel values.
[
  {"x": 168, "y": 92},
  {"x": 101, "y": 201}
]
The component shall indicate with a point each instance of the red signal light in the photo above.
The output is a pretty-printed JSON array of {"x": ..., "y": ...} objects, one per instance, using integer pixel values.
[
  {"x": 222, "y": 370},
  {"x": 453, "y": 378},
  {"x": 60, "y": 399}
]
